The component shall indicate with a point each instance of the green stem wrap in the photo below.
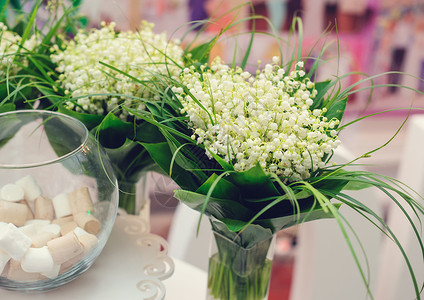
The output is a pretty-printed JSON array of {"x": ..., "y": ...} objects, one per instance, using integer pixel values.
[{"x": 237, "y": 272}]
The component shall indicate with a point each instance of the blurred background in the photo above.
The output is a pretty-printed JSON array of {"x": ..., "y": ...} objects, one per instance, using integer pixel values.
[{"x": 363, "y": 36}]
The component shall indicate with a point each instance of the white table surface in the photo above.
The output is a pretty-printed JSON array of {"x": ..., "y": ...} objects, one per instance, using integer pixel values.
[
  {"x": 187, "y": 283},
  {"x": 133, "y": 265}
]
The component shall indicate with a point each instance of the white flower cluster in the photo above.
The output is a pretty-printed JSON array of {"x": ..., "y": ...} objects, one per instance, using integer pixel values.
[
  {"x": 261, "y": 119},
  {"x": 9, "y": 46},
  {"x": 142, "y": 55}
]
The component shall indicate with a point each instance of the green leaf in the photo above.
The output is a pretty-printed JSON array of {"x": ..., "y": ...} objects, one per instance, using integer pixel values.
[
  {"x": 337, "y": 109},
  {"x": 129, "y": 160},
  {"x": 226, "y": 166},
  {"x": 322, "y": 88},
  {"x": 254, "y": 183},
  {"x": 276, "y": 224},
  {"x": 148, "y": 133},
  {"x": 224, "y": 189},
  {"x": 162, "y": 155},
  {"x": 113, "y": 132},
  {"x": 200, "y": 53},
  {"x": 356, "y": 185},
  {"x": 53, "y": 97},
  {"x": 90, "y": 121},
  {"x": 216, "y": 207},
  {"x": 7, "y": 107},
  {"x": 247, "y": 238}
]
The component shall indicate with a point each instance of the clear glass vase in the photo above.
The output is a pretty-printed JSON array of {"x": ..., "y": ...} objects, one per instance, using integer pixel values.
[
  {"x": 58, "y": 200},
  {"x": 239, "y": 273},
  {"x": 134, "y": 195}
]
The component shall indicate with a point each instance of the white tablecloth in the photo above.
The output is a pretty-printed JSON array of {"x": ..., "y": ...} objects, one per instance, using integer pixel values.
[{"x": 187, "y": 283}]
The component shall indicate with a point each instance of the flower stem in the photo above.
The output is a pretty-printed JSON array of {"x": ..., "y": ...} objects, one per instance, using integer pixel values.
[
  {"x": 127, "y": 196},
  {"x": 238, "y": 273}
]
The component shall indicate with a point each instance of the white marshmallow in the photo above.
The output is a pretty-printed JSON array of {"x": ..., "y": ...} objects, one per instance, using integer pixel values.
[
  {"x": 4, "y": 258},
  {"x": 38, "y": 224},
  {"x": 13, "y": 241},
  {"x": 12, "y": 192},
  {"x": 53, "y": 273},
  {"x": 29, "y": 230},
  {"x": 61, "y": 205},
  {"x": 30, "y": 187},
  {"x": 52, "y": 228},
  {"x": 79, "y": 231},
  {"x": 37, "y": 260}
]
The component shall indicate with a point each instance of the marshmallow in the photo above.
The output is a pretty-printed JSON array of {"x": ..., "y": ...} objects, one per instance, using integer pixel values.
[
  {"x": 15, "y": 272},
  {"x": 30, "y": 215},
  {"x": 68, "y": 227},
  {"x": 37, "y": 260},
  {"x": 80, "y": 201},
  {"x": 29, "y": 230},
  {"x": 61, "y": 205},
  {"x": 79, "y": 231},
  {"x": 30, "y": 187},
  {"x": 11, "y": 212},
  {"x": 13, "y": 241},
  {"x": 12, "y": 192},
  {"x": 41, "y": 239},
  {"x": 88, "y": 241},
  {"x": 71, "y": 262},
  {"x": 53, "y": 273},
  {"x": 87, "y": 222},
  {"x": 43, "y": 208},
  {"x": 4, "y": 259},
  {"x": 52, "y": 228},
  {"x": 65, "y": 247},
  {"x": 6, "y": 269},
  {"x": 38, "y": 223},
  {"x": 62, "y": 221}
]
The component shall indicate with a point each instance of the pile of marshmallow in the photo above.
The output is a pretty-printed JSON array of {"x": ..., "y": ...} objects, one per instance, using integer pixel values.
[{"x": 41, "y": 238}]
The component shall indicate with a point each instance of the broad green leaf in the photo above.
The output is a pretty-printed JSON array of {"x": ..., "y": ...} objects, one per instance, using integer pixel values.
[
  {"x": 356, "y": 185},
  {"x": 337, "y": 109},
  {"x": 162, "y": 156},
  {"x": 7, "y": 107},
  {"x": 247, "y": 238},
  {"x": 254, "y": 183},
  {"x": 112, "y": 131},
  {"x": 216, "y": 207},
  {"x": 278, "y": 223},
  {"x": 129, "y": 160},
  {"x": 322, "y": 88},
  {"x": 226, "y": 166},
  {"x": 224, "y": 189},
  {"x": 89, "y": 120},
  {"x": 148, "y": 133}
]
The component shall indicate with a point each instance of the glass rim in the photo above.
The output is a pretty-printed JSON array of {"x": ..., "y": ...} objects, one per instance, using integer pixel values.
[{"x": 62, "y": 157}]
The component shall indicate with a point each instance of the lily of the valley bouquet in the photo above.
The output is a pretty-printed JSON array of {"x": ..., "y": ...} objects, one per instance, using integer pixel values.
[
  {"x": 91, "y": 69},
  {"x": 79, "y": 72},
  {"x": 253, "y": 153}
]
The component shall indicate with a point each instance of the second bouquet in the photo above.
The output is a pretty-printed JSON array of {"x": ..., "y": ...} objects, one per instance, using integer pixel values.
[{"x": 253, "y": 153}]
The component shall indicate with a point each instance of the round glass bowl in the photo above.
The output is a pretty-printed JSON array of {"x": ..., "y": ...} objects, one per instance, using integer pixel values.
[{"x": 58, "y": 199}]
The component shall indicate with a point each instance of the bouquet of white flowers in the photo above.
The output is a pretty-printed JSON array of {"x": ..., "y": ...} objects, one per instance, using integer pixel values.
[
  {"x": 253, "y": 153},
  {"x": 91, "y": 69}
]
